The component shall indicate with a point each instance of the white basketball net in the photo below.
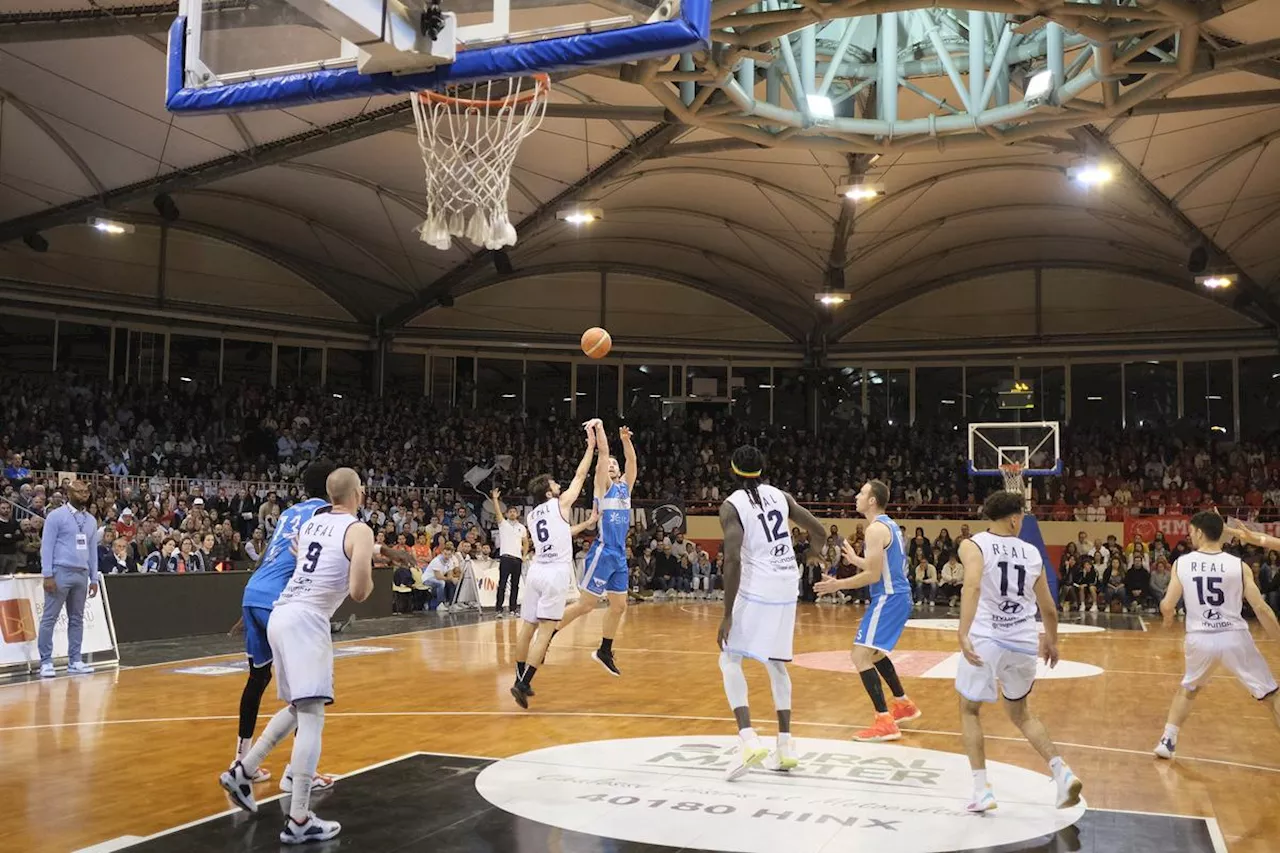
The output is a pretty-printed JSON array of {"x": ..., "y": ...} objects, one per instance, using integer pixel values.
[
  {"x": 1015, "y": 482},
  {"x": 468, "y": 147}
]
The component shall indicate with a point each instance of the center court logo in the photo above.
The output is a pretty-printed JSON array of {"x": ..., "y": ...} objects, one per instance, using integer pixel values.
[{"x": 670, "y": 791}]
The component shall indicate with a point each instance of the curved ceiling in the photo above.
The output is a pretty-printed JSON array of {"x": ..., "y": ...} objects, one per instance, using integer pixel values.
[{"x": 760, "y": 229}]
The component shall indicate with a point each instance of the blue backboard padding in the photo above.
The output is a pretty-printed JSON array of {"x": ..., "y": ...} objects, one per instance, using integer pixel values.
[
  {"x": 689, "y": 32},
  {"x": 1032, "y": 536}
]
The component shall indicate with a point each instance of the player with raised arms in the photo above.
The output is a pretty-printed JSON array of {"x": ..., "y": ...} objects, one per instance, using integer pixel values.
[
  {"x": 761, "y": 584},
  {"x": 1214, "y": 585},
  {"x": 335, "y": 559},
  {"x": 606, "y": 572},
  {"x": 551, "y": 570},
  {"x": 884, "y": 569},
  {"x": 1004, "y": 587}
]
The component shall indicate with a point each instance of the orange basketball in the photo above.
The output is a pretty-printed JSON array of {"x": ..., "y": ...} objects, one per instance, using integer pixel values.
[{"x": 596, "y": 342}]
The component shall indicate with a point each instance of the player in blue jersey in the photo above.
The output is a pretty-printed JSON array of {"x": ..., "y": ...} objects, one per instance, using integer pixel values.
[
  {"x": 606, "y": 572},
  {"x": 260, "y": 594},
  {"x": 884, "y": 569}
]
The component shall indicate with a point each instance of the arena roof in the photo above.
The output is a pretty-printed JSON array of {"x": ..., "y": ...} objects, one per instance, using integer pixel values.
[{"x": 714, "y": 228}]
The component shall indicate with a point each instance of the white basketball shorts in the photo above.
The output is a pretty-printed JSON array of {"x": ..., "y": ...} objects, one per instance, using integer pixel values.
[
  {"x": 546, "y": 591},
  {"x": 1233, "y": 649},
  {"x": 762, "y": 630},
  {"x": 1015, "y": 672},
  {"x": 303, "y": 652}
]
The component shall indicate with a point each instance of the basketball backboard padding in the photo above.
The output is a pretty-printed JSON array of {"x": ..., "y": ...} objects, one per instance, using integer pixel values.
[{"x": 688, "y": 31}]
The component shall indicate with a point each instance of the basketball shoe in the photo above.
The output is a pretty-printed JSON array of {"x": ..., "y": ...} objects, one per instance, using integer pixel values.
[
  {"x": 905, "y": 711},
  {"x": 752, "y": 753},
  {"x": 1069, "y": 788},
  {"x": 605, "y": 659},
  {"x": 783, "y": 758},
  {"x": 239, "y": 787},
  {"x": 1165, "y": 748},
  {"x": 984, "y": 801},
  {"x": 319, "y": 782},
  {"x": 883, "y": 729},
  {"x": 313, "y": 829}
]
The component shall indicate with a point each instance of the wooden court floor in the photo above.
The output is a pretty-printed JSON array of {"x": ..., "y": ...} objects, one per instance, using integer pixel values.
[{"x": 136, "y": 751}]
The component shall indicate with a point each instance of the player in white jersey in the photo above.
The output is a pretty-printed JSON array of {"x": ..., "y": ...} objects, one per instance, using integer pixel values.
[
  {"x": 335, "y": 559},
  {"x": 1004, "y": 587},
  {"x": 547, "y": 586},
  {"x": 1214, "y": 586},
  {"x": 761, "y": 584}
]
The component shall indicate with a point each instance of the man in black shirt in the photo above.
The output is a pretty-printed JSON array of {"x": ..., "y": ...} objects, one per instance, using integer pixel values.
[{"x": 10, "y": 537}]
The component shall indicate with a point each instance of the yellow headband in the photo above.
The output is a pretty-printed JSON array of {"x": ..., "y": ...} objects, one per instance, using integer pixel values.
[{"x": 741, "y": 473}]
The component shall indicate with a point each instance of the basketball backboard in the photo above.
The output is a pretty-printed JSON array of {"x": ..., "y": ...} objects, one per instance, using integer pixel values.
[
  {"x": 230, "y": 55},
  {"x": 1035, "y": 446}
]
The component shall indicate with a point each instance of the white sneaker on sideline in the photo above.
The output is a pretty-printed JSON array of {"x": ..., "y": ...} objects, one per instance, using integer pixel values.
[
  {"x": 79, "y": 668},
  {"x": 314, "y": 829},
  {"x": 47, "y": 670}
]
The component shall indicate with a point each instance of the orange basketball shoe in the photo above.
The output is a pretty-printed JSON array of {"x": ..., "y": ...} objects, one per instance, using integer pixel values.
[
  {"x": 904, "y": 710},
  {"x": 882, "y": 730}
]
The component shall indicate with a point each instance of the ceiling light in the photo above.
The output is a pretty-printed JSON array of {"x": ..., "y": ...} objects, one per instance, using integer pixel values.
[
  {"x": 1094, "y": 399},
  {"x": 765, "y": 386},
  {"x": 1213, "y": 396},
  {"x": 857, "y": 190},
  {"x": 1091, "y": 174},
  {"x": 947, "y": 402},
  {"x": 1153, "y": 362},
  {"x": 820, "y": 108},
  {"x": 184, "y": 378},
  {"x": 654, "y": 396},
  {"x": 581, "y": 393},
  {"x": 1275, "y": 376},
  {"x": 1039, "y": 87},
  {"x": 337, "y": 396},
  {"x": 110, "y": 226},
  {"x": 508, "y": 396},
  {"x": 567, "y": 399},
  {"x": 1218, "y": 429},
  {"x": 875, "y": 158},
  {"x": 1217, "y": 281},
  {"x": 834, "y": 297},
  {"x": 580, "y": 215}
]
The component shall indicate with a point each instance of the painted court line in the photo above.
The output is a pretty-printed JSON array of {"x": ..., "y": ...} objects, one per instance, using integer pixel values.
[{"x": 606, "y": 715}]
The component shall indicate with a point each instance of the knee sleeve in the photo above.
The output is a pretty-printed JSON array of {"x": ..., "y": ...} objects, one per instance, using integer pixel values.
[
  {"x": 251, "y": 698},
  {"x": 735, "y": 683},
  {"x": 780, "y": 681}
]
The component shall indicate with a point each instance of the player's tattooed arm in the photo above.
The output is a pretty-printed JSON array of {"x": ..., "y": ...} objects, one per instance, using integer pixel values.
[{"x": 732, "y": 527}]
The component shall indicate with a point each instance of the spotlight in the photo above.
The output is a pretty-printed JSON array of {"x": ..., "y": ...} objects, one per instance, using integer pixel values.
[
  {"x": 1217, "y": 281},
  {"x": 820, "y": 108},
  {"x": 1039, "y": 88},
  {"x": 580, "y": 215},
  {"x": 1091, "y": 174},
  {"x": 832, "y": 298},
  {"x": 110, "y": 226},
  {"x": 857, "y": 190}
]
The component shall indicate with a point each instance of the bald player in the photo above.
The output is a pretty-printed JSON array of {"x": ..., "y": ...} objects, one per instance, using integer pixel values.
[{"x": 335, "y": 559}]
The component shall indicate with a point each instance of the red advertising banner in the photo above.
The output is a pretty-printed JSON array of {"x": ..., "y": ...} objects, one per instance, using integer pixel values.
[{"x": 1174, "y": 527}]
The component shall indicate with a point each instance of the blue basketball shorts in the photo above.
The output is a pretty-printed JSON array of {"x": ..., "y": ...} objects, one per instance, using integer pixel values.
[
  {"x": 255, "y": 636},
  {"x": 605, "y": 571},
  {"x": 885, "y": 620}
]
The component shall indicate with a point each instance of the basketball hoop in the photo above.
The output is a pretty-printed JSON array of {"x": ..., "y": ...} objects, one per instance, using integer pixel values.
[
  {"x": 469, "y": 145},
  {"x": 1014, "y": 481}
]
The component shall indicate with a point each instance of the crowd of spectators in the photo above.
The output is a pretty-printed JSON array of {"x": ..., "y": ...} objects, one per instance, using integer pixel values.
[{"x": 194, "y": 479}]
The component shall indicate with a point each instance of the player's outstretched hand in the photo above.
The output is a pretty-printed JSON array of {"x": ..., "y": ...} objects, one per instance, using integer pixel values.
[
  {"x": 1048, "y": 651},
  {"x": 826, "y": 586},
  {"x": 966, "y": 649},
  {"x": 1245, "y": 533},
  {"x": 625, "y": 434},
  {"x": 722, "y": 636},
  {"x": 398, "y": 556}
]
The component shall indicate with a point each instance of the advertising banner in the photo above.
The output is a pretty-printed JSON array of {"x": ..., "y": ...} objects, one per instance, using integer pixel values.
[{"x": 21, "y": 608}]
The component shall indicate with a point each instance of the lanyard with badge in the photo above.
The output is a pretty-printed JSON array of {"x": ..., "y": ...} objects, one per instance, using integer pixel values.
[{"x": 82, "y": 538}]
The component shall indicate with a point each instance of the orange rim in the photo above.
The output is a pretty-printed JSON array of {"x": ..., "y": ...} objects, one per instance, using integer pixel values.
[
  {"x": 1011, "y": 468},
  {"x": 542, "y": 82}
]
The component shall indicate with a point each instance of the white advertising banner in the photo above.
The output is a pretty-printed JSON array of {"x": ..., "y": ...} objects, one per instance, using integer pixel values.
[{"x": 22, "y": 607}]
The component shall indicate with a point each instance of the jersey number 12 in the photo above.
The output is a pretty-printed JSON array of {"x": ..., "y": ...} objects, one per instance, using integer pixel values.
[{"x": 775, "y": 532}]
